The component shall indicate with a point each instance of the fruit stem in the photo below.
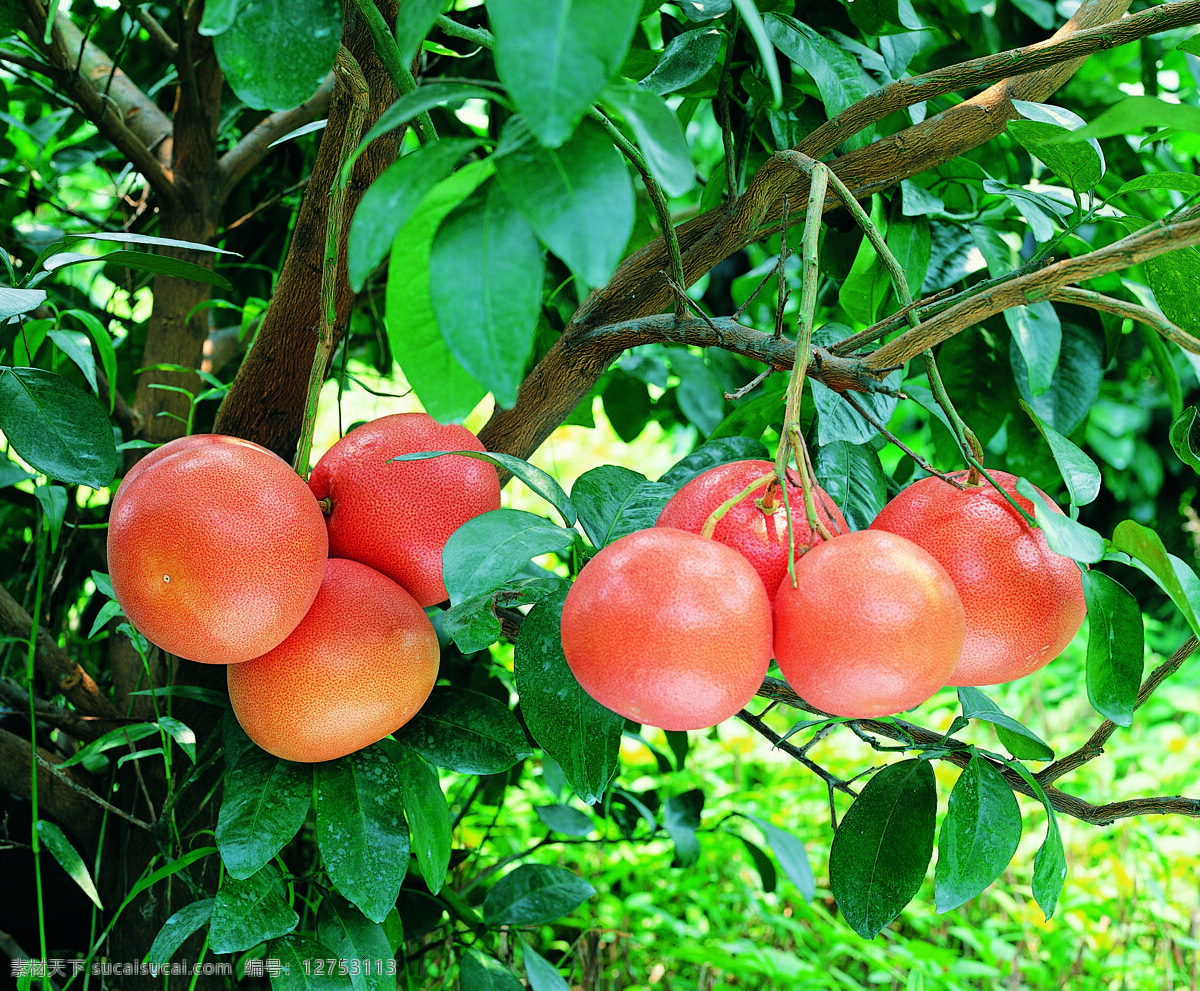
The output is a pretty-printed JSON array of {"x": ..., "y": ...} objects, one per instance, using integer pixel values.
[
  {"x": 977, "y": 470},
  {"x": 351, "y": 76},
  {"x": 717, "y": 514},
  {"x": 964, "y": 436}
]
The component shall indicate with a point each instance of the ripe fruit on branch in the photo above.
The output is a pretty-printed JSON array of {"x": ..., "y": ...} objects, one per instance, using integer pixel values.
[
  {"x": 358, "y": 667},
  {"x": 216, "y": 550},
  {"x": 668, "y": 628},
  {"x": 1024, "y": 603},
  {"x": 873, "y": 626},
  {"x": 397, "y": 516},
  {"x": 173, "y": 447},
  {"x": 756, "y": 526}
]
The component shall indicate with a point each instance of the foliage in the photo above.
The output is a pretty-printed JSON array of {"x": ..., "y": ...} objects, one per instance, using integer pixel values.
[{"x": 597, "y": 215}]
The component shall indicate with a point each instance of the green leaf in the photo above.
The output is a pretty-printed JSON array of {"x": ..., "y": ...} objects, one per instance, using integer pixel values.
[
  {"x": 76, "y": 346},
  {"x": 1115, "y": 659},
  {"x": 485, "y": 279},
  {"x": 686, "y": 58},
  {"x": 837, "y": 420},
  {"x": 473, "y": 624},
  {"x": 709, "y": 455},
  {"x": 1183, "y": 441},
  {"x": 480, "y": 973},
  {"x": 578, "y": 197},
  {"x": 853, "y": 476},
  {"x": 533, "y": 894},
  {"x": 276, "y": 52},
  {"x": 265, "y": 804},
  {"x": 681, "y": 819},
  {"x": 1146, "y": 549},
  {"x": 56, "y": 427},
  {"x": 414, "y": 18},
  {"x": 427, "y": 813},
  {"x": 1066, "y": 536},
  {"x": 1050, "y": 862},
  {"x": 53, "y": 501},
  {"x": 68, "y": 858},
  {"x": 658, "y": 134},
  {"x": 250, "y": 911},
  {"x": 1020, "y": 741},
  {"x": 306, "y": 965},
  {"x": 1183, "y": 182},
  {"x": 706, "y": 10},
  {"x": 1037, "y": 334},
  {"x": 883, "y": 844},
  {"x": 753, "y": 22},
  {"x": 181, "y": 733},
  {"x": 152, "y": 241},
  {"x": 577, "y": 731},
  {"x": 979, "y": 834},
  {"x": 14, "y": 302},
  {"x": 555, "y": 56},
  {"x": 1075, "y": 383},
  {"x": 542, "y": 483},
  {"x": 177, "y": 929},
  {"x": 868, "y": 283},
  {"x": 123, "y": 736},
  {"x": 762, "y": 863},
  {"x": 1080, "y": 472},
  {"x": 218, "y": 16},
  {"x": 446, "y": 389},
  {"x": 614, "y": 501},
  {"x": 565, "y": 819},
  {"x": 486, "y": 551},
  {"x": 1134, "y": 114},
  {"x": 1080, "y": 166},
  {"x": 360, "y": 942},
  {"x": 392, "y": 200},
  {"x": 467, "y": 732},
  {"x": 104, "y": 346},
  {"x": 361, "y": 830},
  {"x": 543, "y": 975},
  {"x": 144, "y": 261},
  {"x": 789, "y": 851}
]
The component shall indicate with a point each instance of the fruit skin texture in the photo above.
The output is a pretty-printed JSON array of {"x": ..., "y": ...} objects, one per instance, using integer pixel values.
[
  {"x": 358, "y": 667},
  {"x": 175, "y": 446},
  {"x": 873, "y": 627},
  {"x": 397, "y": 516},
  {"x": 216, "y": 551},
  {"x": 758, "y": 535},
  {"x": 668, "y": 628},
  {"x": 1024, "y": 603}
]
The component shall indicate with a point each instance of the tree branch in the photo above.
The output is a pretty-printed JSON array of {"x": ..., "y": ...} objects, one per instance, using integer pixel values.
[{"x": 57, "y": 799}]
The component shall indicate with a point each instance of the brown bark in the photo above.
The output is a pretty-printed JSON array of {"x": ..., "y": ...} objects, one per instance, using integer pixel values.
[
  {"x": 58, "y": 802},
  {"x": 266, "y": 402}
]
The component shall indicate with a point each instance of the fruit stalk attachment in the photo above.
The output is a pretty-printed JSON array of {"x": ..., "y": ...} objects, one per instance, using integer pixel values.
[{"x": 349, "y": 75}]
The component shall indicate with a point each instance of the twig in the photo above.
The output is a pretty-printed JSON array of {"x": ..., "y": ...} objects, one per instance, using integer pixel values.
[
  {"x": 1122, "y": 308},
  {"x": 163, "y": 41},
  {"x": 882, "y": 427},
  {"x": 796, "y": 753},
  {"x": 90, "y": 795},
  {"x": 389, "y": 57}
]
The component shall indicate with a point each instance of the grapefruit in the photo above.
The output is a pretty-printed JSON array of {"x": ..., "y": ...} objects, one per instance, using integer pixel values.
[
  {"x": 756, "y": 526},
  {"x": 874, "y": 625},
  {"x": 216, "y": 551},
  {"x": 172, "y": 447},
  {"x": 358, "y": 667},
  {"x": 668, "y": 628},
  {"x": 397, "y": 516},
  {"x": 1023, "y": 602}
]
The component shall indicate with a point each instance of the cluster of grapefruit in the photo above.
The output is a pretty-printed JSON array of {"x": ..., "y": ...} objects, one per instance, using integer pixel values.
[
  {"x": 313, "y": 595},
  {"x": 949, "y": 585}
]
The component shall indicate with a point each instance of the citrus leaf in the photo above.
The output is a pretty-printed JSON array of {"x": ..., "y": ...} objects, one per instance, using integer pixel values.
[
  {"x": 573, "y": 728},
  {"x": 177, "y": 929},
  {"x": 265, "y": 803},
  {"x": 1146, "y": 549},
  {"x": 427, "y": 813},
  {"x": 658, "y": 133},
  {"x": 853, "y": 476},
  {"x": 1065, "y": 536},
  {"x": 480, "y": 973},
  {"x": 789, "y": 851},
  {"x": 362, "y": 943},
  {"x": 144, "y": 261},
  {"x": 56, "y": 427},
  {"x": 979, "y": 834},
  {"x": 883, "y": 844},
  {"x": 467, "y": 732},
  {"x": 533, "y": 894},
  {"x": 1020, "y": 741},
  {"x": 709, "y": 455},
  {"x": 361, "y": 830},
  {"x": 685, "y": 59},
  {"x": 543, "y": 976},
  {"x": 1115, "y": 660},
  {"x": 1184, "y": 438},
  {"x": 1050, "y": 862},
  {"x": 306, "y": 965},
  {"x": 14, "y": 302},
  {"x": 1078, "y": 470},
  {"x": 250, "y": 911},
  {"x": 614, "y": 501},
  {"x": 68, "y": 858},
  {"x": 124, "y": 736},
  {"x": 488, "y": 550},
  {"x": 681, "y": 819},
  {"x": 565, "y": 819},
  {"x": 762, "y": 863},
  {"x": 1079, "y": 165}
]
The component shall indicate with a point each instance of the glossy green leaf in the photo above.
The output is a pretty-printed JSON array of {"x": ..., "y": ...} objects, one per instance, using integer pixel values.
[
  {"x": 578, "y": 197},
  {"x": 1146, "y": 549},
  {"x": 577, "y": 731},
  {"x": 686, "y": 58},
  {"x": 1115, "y": 660},
  {"x": 883, "y": 844},
  {"x": 486, "y": 551},
  {"x": 555, "y": 56},
  {"x": 447, "y": 390},
  {"x": 265, "y": 803},
  {"x": 104, "y": 345},
  {"x": 428, "y": 814},
  {"x": 1037, "y": 334},
  {"x": 53, "y": 502},
  {"x": 473, "y": 623},
  {"x": 1066, "y": 536},
  {"x": 76, "y": 346},
  {"x": 763, "y": 864},
  {"x": 1020, "y": 741},
  {"x": 56, "y": 427},
  {"x": 467, "y": 732},
  {"x": 14, "y": 302},
  {"x": 839, "y": 421},
  {"x": 177, "y": 930},
  {"x": 614, "y": 501},
  {"x": 360, "y": 942},
  {"x": 1173, "y": 277},
  {"x": 361, "y": 830},
  {"x": 249, "y": 911},
  {"x": 392, "y": 200},
  {"x": 789, "y": 851},
  {"x": 1075, "y": 382},
  {"x": 485, "y": 280},
  {"x": 306, "y": 965},
  {"x": 1079, "y": 471},
  {"x": 979, "y": 834},
  {"x": 533, "y": 894},
  {"x": 123, "y": 736},
  {"x": 1050, "y": 862},
  {"x": 414, "y": 18},
  {"x": 853, "y": 476},
  {"x": 542, "y": 975},
  {"x": 1185, "y": 438},
  {"x": 276, "y": 52},
  {"x": 482, "y": 973},
  {"x": 1183, "y": 182},
  {"x": 681, "y": 819},
  {"x": 709, "y": 455},
  {"x": 658, "y": 134},
  {"x": 1134, "y": 114},
  {"x": 55, "y": 840},
  {"x": 144, "y": 261},
  {"x": 152, "y": 241},
  {"x": 1079, "y": 165},
  {"x": 868, "y": 283},
  {"x": 565, "y": 819}
]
